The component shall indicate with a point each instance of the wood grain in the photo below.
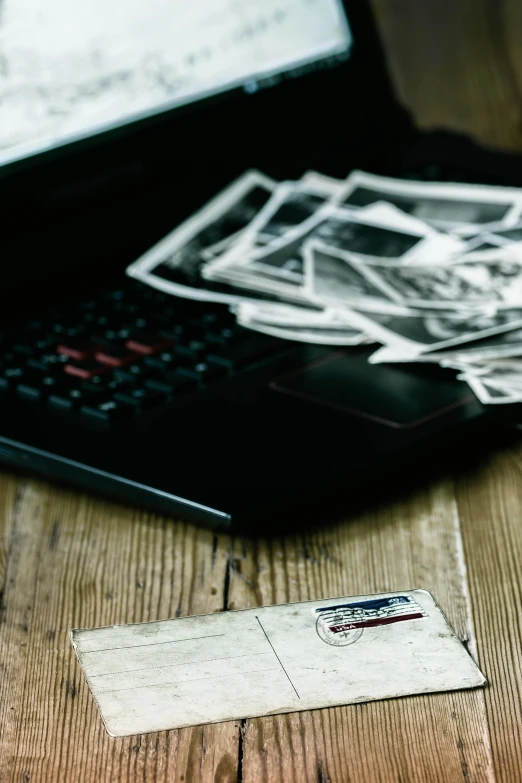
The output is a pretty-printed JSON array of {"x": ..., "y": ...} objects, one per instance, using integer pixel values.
[
  {"x": 457, "y": 65},
  {"x": 77, "y": 562},
  {"x": 438, "y": 737},
  {"x": 490, "y": 508},
  {"x": 8, "y": 489}
]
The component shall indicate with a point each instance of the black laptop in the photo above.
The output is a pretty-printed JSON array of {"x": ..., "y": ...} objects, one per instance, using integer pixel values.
[{"x": 115, "y": 135}]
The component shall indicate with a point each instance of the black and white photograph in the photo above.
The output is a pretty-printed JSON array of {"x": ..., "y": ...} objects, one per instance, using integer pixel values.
[
  {"x": 231, "y": 271},
  {"x": 287, "y": 315},
  {"x": 510, "y": 234},
  {"x": 483, "y": 247},
  {"x": 494, "y": 244},
  {"x": 287, "y": 263},
  {"x": 466, "y": 208},
  {"x": 174, "y": 265},
  {"x": 501, "y": 346},
  {"x": 290, "y": 205},
  {"x": 497, "y": 283},
  {"x": 333, "y": 281},
  {"x": 364, "y": 238},
  {"x": 501, "y": 378},
  {"x": 504, "y": 369},
  {"x": 322, "y": 183},
  {"x": 489, "y": 394},
  {"x": 317, "y": 335},
  {"x": 414, "y": 332},
  {"x": 365, "y": 234}
]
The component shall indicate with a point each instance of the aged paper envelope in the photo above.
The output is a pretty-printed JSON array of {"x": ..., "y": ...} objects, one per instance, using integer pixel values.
[{"x": 173, "y": 673}]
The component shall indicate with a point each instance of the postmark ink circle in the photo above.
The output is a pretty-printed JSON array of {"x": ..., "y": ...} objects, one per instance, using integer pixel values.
[{"x": 337, "y": 627}]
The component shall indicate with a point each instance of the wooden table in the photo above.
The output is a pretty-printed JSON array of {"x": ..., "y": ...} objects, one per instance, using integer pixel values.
[{"x": 68, "y": 560}]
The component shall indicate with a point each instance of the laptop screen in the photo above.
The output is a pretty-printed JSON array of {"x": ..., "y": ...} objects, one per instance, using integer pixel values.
[{"x": 69, "y": 70}]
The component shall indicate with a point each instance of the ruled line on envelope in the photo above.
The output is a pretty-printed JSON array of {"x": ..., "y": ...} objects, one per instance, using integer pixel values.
[
  {"x": 181, "y": 682},
  {"x": 152, "y": 644},
  {"x": 170, "y": 665}
]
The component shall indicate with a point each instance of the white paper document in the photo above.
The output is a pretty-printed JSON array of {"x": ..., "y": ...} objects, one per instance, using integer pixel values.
[{"x": 165, "y": 675}]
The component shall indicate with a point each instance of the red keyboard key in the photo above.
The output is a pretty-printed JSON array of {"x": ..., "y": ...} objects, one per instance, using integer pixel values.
[
  {"x": 86, "y": 369},
  {"x": 77, "y": 349},
  {"x": 115, "y": 357},
  {"x": 147, "y": 344}
]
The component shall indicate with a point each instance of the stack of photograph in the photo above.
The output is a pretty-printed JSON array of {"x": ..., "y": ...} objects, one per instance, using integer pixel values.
[{"x": 429, "y": 272}]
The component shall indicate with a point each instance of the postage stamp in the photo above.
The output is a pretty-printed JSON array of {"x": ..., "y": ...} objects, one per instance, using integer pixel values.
[{"x": 344, "y": 624}]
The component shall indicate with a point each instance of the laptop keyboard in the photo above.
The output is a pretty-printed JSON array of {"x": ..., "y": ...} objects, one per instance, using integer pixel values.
[{"x": 127, "y": 352}]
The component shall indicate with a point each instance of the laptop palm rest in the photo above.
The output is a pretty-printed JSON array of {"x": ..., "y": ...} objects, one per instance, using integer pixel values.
[{"x": 398, "y": 396}]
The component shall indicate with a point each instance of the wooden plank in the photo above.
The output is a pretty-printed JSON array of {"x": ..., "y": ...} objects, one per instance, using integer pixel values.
[
  {"x": 415, "y": 543},
  {"x": 8, "y": 489},
  {"x": 490, "y": 503},
  {"x": 457, "y": 65},
  {"x": 80, "y": 562}
]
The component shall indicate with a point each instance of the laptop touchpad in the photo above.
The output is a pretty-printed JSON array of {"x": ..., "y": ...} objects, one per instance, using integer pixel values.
[{"x": 393, "y": 395}]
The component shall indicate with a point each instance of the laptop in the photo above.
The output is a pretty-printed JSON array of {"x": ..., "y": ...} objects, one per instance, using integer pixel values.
[{"x": 122, "y": 121}]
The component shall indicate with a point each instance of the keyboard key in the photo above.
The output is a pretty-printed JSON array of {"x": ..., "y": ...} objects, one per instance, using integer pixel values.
[
  {"x": 107, "y": 411},
  {"x": 89, "y": 368},
  {"x": 166, "y": 360},
  {"x": 235, "y": 357},
  {"x": 47, "y": 361},
  {"x": 212, "y": 322},
  {"x": 26, "y": 349},
  {"x": 77, "y": 349},
  {"x": 105, "y": 338},
  {"x": 172, "y": 384},
  {"x": 67, "y": 329},
  {"x": 116, "y": 295},
  {"x": 228, "y": 335},
  {"x": 194, "y": 349},
  {"x": 11, "y": 376},
  {"x": 115, "y": 357},
  {"x": 37, "y": 387},
  {"x": 116, "y": 385},
  {"x": 132, "y": 372},
  {"x": 97, "y": 383},
  {"x": 106, "y": 383},
  {"x": 103, "y": 320},
  {"x": 142, "y": 397},
  {"x": 44, "y": 343},
  {"x": 74, "y": 332},
  {"x": 202, "y": 372},
  {"x": 117, "y": 335},
  {"x": 88, "y": 305},
  {"x": 207, "y": 321},
  {"x": 30, "y": 345},
  {"x": 173, "y": 331},
  {"x": 200, "y": 326},
  {"x": 156, "y": 297},
  {"x": 127, "y": 308},
  {"x": 166, "y": 315},
  {"x": 70, "y": 399},
  {"x": 148, "y": 344}
]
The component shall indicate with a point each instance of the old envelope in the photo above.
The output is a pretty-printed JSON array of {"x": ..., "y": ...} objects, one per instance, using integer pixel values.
[{"x": 173, "y": 673}]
